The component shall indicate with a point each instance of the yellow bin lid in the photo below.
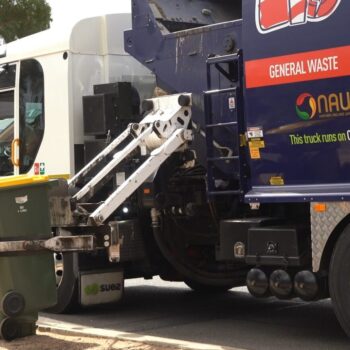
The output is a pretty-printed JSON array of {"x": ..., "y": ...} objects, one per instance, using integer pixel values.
[{"x": 17, "y": 180}]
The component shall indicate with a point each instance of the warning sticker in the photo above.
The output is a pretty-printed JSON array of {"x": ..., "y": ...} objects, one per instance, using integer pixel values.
[
  {"x": 277, "y": 181},
  {"x": 36, "y": 168},
  {"x": 232, "y": 103},
  {"x": 256, "y": 132},
  {"x": 42, "y": 169},
  {"x": 255, "y": 137},
  {"x": 257, "y": 143},
  {"x": 254, "y": 153}
]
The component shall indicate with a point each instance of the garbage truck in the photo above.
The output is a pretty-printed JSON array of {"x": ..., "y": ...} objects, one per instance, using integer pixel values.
[{"x": 236, "y": 173}]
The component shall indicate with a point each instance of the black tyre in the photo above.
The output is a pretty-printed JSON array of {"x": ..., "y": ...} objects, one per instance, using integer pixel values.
[
  {"x": 9, "y": 329},
  {"x": 339, "y": 280},
  {"x": 206, "y": 288},
  {"x": 12, "y": 304},
  {"x": 67, "y": 283}
]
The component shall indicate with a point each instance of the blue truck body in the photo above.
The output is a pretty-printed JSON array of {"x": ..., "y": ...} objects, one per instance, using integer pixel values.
[{"x": 296, "y": 100}]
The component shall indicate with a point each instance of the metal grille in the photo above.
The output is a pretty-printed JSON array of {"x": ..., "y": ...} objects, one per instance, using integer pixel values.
[{"x": 322, "y": 226}]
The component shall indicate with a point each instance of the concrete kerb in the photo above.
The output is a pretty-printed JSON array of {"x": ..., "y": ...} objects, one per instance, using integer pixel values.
[{"x": 77, "y": 330}]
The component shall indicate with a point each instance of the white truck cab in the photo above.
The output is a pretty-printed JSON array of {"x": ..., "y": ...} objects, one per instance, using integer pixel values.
[{"x": 42, "y": 80}]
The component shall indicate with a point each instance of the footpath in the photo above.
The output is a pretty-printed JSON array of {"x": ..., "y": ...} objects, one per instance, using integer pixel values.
[
  {"x": 53, "y": 341},
  {"x": 65, "y": 337}
]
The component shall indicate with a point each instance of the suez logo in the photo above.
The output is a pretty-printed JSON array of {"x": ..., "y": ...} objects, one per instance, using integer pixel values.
[
  {"x": 272, "y": 15},
  {"x": 324, "y": 105},
  {"x": 96, "y": 288}
]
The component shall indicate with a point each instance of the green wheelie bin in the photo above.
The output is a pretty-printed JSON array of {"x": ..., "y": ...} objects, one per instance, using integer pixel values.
[{"x": 27, "y": 279}]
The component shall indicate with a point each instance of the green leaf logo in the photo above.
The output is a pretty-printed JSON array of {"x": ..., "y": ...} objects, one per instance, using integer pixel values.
[{"x": 93, "y": 289}]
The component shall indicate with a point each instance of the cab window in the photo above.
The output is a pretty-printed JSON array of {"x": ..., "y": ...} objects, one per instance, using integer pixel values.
[
  {"x": 31, "y": 112},
  {"x": 7, "y": 76}
]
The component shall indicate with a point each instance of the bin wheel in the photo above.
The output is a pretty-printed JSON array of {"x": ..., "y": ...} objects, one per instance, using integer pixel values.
[
  {"x": 339, "y": 280},
  {"x": 66, "y": 282},
  {"x": 12, "y": 304},
  {"x": 206, "y": 288},
  {"x": 9, "y": 329}
]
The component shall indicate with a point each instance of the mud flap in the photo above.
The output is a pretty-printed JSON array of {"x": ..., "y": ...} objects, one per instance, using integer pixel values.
[{"x": 101, "y": 287}]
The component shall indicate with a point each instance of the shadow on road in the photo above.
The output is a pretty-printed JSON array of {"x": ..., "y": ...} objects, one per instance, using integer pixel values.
[{"x": 232, "y": 319}]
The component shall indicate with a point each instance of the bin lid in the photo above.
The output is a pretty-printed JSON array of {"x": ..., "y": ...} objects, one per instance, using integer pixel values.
[{"x": 11, "y": 181}]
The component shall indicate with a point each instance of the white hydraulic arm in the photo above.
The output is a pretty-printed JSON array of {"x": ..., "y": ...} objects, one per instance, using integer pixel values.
[
  {"x": 119, "y": 157},
  {"x": 162, "y": 132},
  {"x": 156, "y": 159},
  {"x": 102, "y": 155}
]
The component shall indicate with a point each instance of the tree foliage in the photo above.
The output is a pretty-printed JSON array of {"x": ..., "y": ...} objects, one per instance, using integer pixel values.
[{"x": 19, "y": 18}]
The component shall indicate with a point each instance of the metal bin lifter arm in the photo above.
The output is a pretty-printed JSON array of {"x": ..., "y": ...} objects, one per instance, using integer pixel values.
[
  {"x": 162, "y": 132},
  {"x": 102, "y": 155},
  {"x": 150, "y": 166}
]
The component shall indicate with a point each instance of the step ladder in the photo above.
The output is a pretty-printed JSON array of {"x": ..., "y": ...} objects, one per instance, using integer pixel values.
[
  {"x": 224, "y": 125},
  {"x": 162, "y": 132}
]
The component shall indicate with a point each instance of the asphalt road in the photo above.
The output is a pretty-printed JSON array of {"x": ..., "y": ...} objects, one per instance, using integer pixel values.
[{"x": 234, "y": 319}]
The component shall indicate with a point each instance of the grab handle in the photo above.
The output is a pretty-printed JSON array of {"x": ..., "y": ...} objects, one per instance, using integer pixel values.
[{"x": 14, "y": 160}]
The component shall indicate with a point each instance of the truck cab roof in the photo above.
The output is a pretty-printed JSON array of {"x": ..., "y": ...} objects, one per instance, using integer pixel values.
[{"x": 88, "y": 36}]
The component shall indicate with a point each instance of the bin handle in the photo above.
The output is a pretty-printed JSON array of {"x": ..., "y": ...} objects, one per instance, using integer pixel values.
[{"x": 15, "y": 161}]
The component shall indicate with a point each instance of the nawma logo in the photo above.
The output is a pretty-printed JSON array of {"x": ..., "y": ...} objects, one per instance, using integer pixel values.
[
  {"x": 273, "y": 15},
  {"x": 306, "y": 106},
  {"x": 331, "y": 105}
]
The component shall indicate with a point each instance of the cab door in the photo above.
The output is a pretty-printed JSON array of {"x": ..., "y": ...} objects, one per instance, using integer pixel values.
[
  {"x": 22, "y": 119},
  {"x": 29, "y": 129}
]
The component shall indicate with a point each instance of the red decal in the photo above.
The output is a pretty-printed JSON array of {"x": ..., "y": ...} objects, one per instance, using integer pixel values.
[
  {"x": 298, "y": 12},
  {"x": 306, "y": 66},
  {"x": 321, "y": 8},
  {"x": 272, "y": 15},
  {"x": 36, "y": 168}
]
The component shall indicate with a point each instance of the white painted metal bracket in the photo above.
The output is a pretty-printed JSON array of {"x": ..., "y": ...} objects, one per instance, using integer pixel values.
[{"x": 157, "y": 158}]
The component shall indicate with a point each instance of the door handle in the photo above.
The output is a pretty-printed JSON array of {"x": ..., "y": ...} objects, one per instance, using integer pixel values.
[{"x": 15, "y": 143}]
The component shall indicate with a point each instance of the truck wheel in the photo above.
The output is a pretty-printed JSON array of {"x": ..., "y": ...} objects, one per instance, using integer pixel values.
[
  {"x": 66, "y": 282},
  {"x": 339, "y": 280},
  {"x": 206, "y": 288}
]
